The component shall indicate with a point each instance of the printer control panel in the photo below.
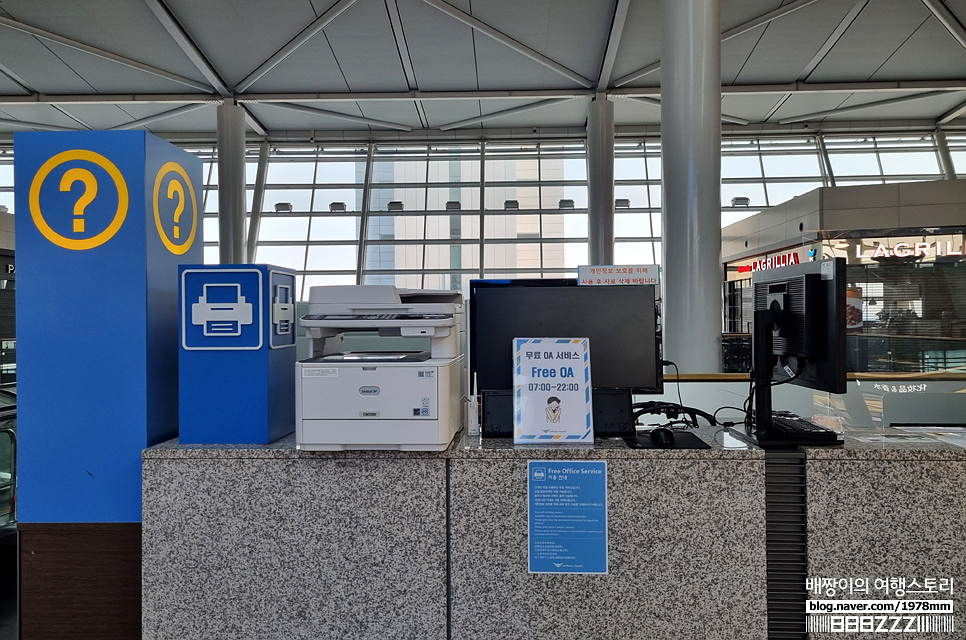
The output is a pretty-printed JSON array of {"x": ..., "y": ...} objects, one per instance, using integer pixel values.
[{"x": 379, "y": 316}]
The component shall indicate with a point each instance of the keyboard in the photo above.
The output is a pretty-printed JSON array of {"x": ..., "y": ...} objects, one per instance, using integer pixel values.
[{"x": 791, "y": 427}]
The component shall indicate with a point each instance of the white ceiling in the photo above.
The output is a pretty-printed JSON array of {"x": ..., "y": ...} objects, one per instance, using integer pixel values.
[{"x": 410, "y": 69}]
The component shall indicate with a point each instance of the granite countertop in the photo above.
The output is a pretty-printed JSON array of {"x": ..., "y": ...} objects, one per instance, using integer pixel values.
[
  {"x": 889, "y": 443},
  {"x": 465, "y": 447},
  {"x": 861, "y": 443}
]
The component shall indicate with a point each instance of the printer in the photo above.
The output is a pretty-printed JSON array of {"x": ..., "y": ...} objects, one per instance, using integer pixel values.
[{"x": 408, "y": 399}]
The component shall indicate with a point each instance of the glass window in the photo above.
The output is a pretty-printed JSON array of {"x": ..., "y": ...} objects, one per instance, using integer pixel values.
[
  {"x": 288, "y": 257},
  {"x": 575, "y": 255},
  {"x": 332, "y": 258},
  {"x": 300, "y": 199},
  {"x": 334, "y": 228},
  {"x": 341, "y": 172},
  {"x": 209, "y": 228},
  {"x": 789, "y": 166},
  {"x": 637, "y": 195},
  {"x": 740, "y": 167},
  {"x": 854, "y": 164},
  {"x": 282, "y": 228},
  {"x": 291, "y": 172},
  {"x": 632, "y": 225},
  {"x": 351, "y": 198},
  {"x": 910, "y": 163},
  {"x": 754, "y": 192},
  {"x": 575, "y": 169},
  {"x": 634, "y": 253},
  {"x": 779, "y": 192},
  {"x": 629, "y": 169}
]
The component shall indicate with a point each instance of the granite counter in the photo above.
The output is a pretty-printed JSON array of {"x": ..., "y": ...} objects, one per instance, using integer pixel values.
[
  {"x": 889, "y": 504},
  {"x": 246, "y": 541}
]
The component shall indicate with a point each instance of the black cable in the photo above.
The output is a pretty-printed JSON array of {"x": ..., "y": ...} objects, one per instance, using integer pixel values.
[
  {"x": 749, "y": 403},
  {"x": 677, "y": 377},
  {"x": 715, "y": 414}
]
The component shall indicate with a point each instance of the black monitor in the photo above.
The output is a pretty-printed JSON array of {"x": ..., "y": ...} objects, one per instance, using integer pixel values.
[
  {"x": 799, "y": 332},
  {"x": 620, "y": 321}
]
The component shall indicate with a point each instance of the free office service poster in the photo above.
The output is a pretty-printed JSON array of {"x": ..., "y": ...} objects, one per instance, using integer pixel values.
[{"x": 551, "y": 391}]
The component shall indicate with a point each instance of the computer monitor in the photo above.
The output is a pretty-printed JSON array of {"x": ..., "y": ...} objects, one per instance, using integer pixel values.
[
  {"x": 799, "y": 332},
  {"x": 620, "y": 321}
]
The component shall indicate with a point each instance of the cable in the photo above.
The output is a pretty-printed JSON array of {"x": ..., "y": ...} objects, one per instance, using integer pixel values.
[
  {"x": 715, "y": 414},
  {"x": 677, "y": 377},
  {"x": 750, "y": 402}
]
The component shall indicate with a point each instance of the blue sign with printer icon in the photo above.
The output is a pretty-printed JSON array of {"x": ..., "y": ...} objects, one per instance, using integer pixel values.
[
  {"x": 237, "y": 361},
  {"x": 282, "y": 291},
  {"x": 222, "y": 309}
]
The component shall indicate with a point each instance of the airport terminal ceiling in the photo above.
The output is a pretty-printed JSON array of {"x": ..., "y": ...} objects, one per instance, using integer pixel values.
[{"x": 318, "y": 70}]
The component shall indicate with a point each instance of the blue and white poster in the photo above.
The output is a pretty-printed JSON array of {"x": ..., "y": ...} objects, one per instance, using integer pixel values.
[
  {"x": 567, "y": 516},
  {"x": 222, "y": 309},
  {"x": 552, "y": 403}
]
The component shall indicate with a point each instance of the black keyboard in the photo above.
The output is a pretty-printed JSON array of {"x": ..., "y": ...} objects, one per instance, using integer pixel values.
[{"x": 792, "y": 427}]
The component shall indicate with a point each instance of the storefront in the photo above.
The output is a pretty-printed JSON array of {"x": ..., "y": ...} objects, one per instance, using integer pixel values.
[{"x": 906, "y": 297}]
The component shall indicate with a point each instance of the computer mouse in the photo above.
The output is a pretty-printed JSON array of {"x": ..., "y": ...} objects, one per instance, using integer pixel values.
[{"x": 662, "y": 437}]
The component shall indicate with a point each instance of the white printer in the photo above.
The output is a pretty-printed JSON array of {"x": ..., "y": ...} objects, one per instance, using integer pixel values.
[{"x": 409, "y": 400}]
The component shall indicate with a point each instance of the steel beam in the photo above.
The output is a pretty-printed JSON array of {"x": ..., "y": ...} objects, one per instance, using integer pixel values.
[
  {"x": 499, "y": 114},
  {"x": 861, "y": 107},
  {"x": 833, "y": 39},
  {"x": 826, "y": 160},
  {"x": 911, "y": 86},
  {"x": 253, "y": 122},
  {"x": 34, "y": 125},
  {"x": 364, "y": 216},
  {"x": 945, "y": 158},
  {"x": 946, "y": 18},
  {"x": 295, "y": 44},
  {"x": 342, "y": 116},
  {"x": 258, "y": 199},
  {"x": 952, "y": 114},
  {"x": 482, "y": 27},
  {"x": 100, "y": 53},
  {"x": 613, "y": 44},
  {"x": 158, "y": 117},
  {"x": 187, "y": 45}
]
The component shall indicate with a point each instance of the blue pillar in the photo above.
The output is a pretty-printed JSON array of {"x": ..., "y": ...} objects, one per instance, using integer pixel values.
[{"x": 104, "y": 219}]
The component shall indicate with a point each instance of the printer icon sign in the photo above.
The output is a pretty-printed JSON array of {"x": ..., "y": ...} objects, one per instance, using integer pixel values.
[{"x": 221, "y": 310}]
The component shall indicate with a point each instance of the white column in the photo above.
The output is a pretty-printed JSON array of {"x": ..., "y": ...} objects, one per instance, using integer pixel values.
[
  {"x": 600, "y": 180},
  {"x": 231, "y": 183},
  {"x": 691, "y": 159}
]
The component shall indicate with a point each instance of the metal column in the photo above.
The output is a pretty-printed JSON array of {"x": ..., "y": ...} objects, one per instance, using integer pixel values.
[
  {"x": 258, "y": 199},
  {"x": 364, "y": 216},
  {"x": 691, "y": 158},
  {"x": 600, "y": 180},
  {"x": 231, "y": 183},
  {"x": 945, "y": 158},
  {"x": 826, "y": 160}
]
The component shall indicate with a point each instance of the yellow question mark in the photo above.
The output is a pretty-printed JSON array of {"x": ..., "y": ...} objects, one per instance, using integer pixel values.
[
  {"x": 176, "y": 188},
  {"x": 90, "y": 192}
]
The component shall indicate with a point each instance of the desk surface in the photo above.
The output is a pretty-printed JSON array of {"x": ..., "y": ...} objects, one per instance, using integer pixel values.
[
  {"x": 464, "y": 446},
  {"x": 861, "y": 443}
]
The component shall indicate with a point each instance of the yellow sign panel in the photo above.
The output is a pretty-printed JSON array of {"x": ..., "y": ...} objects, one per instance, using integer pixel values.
[
  {"x": 85, "y": 176},
  {"x": 177, "y": 187}
]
